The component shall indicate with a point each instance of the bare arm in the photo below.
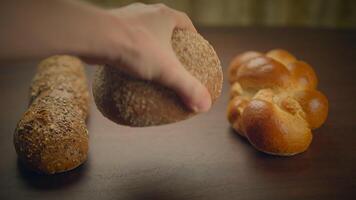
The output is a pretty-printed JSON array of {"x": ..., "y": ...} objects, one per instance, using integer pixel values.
[{"x": 135, "y": 38}]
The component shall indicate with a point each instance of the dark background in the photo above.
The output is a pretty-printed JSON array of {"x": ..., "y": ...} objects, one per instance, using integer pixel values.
[
  {"x": 334, "y": 14},
  {"x": 202, "y": 158}
]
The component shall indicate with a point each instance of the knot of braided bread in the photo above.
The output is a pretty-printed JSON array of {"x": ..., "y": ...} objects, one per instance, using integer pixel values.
[{"x": 274, "y": 102}]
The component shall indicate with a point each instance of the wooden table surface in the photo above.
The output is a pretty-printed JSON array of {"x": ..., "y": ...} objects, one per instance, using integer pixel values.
[{"x": 202, "y": 158}]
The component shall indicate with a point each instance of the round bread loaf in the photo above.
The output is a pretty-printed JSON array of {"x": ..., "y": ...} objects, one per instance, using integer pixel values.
[
  {"x": 52, "y": 137},
  {"x": 129, "y": 101}
]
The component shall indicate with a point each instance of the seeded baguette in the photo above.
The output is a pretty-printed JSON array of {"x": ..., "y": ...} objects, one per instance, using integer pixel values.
[
  {"x": 130, "y": 101},
  {"x": 52, "y": 137}
]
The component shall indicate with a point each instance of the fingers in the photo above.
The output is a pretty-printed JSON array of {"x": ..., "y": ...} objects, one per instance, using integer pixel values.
[
  {"x": 159, "y": 63},
  {"x": 181, "y": 19},
  {"x": 192, "y": 92}
]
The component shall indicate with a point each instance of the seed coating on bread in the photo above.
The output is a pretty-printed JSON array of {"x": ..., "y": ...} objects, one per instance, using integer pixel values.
[
  {"x": 52, "y": 137},
  {"x": 129, "y": 101}
]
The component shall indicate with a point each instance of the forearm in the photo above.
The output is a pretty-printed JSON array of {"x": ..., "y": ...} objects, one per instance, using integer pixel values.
[
  {"x": 39, "y": 28},
  {"x": 135, "y": 38}
]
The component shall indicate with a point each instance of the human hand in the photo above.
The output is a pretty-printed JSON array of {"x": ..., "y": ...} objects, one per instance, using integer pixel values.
[{"x": 140, "y": 44}]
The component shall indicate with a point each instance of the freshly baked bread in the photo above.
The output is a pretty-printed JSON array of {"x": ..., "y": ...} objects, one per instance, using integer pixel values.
[
  {"x": 129, "y": 101},
  {"x": 52, "y": 137},
  {"x": 274, "y": 102}
]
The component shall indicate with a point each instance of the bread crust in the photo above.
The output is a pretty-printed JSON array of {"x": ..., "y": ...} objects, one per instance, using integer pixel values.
[
  {"x": 129, "y": 101},
  {"x": 238, "y": 61},
  {"x": 280, "y": 102},
  {"x": 52, "y": 137}
]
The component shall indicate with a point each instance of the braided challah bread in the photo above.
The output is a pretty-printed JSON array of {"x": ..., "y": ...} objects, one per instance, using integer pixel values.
[{"x": 274, "y": 102}]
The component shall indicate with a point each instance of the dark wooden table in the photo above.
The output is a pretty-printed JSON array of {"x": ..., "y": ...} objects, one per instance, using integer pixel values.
[{"x": 202, "y": 158}]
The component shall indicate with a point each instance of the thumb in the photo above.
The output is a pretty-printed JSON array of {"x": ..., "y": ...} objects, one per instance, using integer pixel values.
[{"x": 193, "y": 93}]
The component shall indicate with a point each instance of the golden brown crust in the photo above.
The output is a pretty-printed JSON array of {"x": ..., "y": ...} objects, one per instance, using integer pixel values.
[
  {"x": 129, "y": 101},
  {"x": 52, "y": 137},
  {"x": 315, "y": 106},
  {"x": 235, "y": 108},
  {"x": 273, "y": 131},
  {"x": 238, "y": 60},
  {"x": 280, "y": 103},
  {"x": 303, "y": 74},
  {"x": 263, "y": 72},
  {"x": 281, "y": 56}
]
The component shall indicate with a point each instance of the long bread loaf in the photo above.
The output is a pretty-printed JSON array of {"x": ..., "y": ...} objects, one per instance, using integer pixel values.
[{"x": 52, "y": 137}]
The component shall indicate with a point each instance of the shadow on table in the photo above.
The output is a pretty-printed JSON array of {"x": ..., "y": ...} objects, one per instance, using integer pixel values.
[
  {"x": 148, "y": 189},
  {"x": 148, "y": 194},
  {"x": 270, "y": 164},
  {"x": 51, "y": 182}
]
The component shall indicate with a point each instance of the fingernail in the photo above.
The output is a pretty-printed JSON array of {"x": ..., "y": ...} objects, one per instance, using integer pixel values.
[{"x": 202, "y": 106}]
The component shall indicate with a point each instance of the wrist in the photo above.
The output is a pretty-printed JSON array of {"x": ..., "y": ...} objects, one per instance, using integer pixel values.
[
  {"x": 106, "y": 41},
  {"x": 88, "y": 31},
  {"x": 93, "y": 35}
]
